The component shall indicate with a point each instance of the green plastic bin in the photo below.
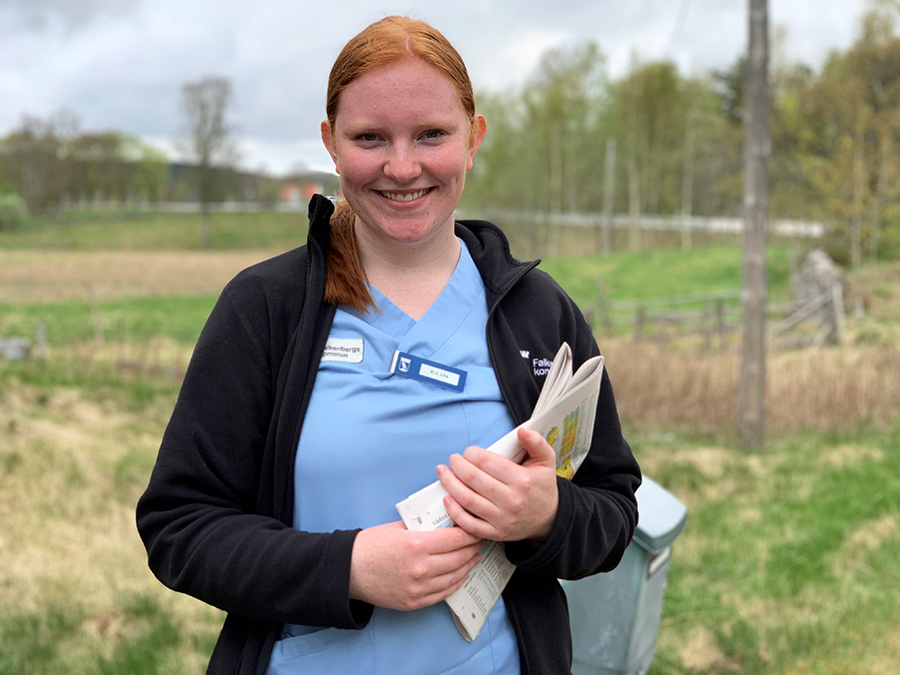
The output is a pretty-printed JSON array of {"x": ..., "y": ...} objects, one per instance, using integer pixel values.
[{"x": 615, "y": 616}]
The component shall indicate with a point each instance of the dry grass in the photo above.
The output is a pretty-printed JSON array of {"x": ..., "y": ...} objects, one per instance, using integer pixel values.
[
  {"x": 71, "y": 470},
  {"x": 28, "y": 277},
  {"x": 877, "y": 287},
  {"x": 73, "y": 463},
  {"x": 697, "y": 392}
]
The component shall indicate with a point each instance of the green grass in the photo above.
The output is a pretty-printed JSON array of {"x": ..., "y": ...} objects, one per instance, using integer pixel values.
[
  {"x": 660, "y": 273},
  {"x": 139, "y": 319},
  {"x": 156, "y": 231},
  {"x": 78, "y": 440},
  {"x": 39, "y": 642},
  {"x": 148, "y": 651},
  {"x": 96, "y": 381},
  {"x": 625, "y": 275},
  {"x": 29, "y": 642},
  {"x": 790, "y": 559},
  {"x": 789, "y": 564}
]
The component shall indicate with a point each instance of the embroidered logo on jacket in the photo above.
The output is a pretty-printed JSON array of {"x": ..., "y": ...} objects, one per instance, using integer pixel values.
[{"x": 541, "y": 366}]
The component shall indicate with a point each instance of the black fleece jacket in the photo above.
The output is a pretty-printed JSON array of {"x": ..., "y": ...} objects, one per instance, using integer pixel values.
[{"x": 216, "y": 516}]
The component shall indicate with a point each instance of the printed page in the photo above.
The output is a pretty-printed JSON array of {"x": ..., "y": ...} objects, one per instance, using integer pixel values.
[
  {"x": 475, "y": 599},
  {"x": 565, "y": 418}
]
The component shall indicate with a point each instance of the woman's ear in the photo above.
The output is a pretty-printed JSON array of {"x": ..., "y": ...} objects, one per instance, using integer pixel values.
[
  {"x": 475, "y": 140},
  {"x": 329, "y": 144}
]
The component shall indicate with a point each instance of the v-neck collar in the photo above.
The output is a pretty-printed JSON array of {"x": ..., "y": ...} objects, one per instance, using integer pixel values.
[{"x": 454, "y": 303}]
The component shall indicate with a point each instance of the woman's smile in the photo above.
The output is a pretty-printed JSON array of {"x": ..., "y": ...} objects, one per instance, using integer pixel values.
[{"x": 404, "y": 196}]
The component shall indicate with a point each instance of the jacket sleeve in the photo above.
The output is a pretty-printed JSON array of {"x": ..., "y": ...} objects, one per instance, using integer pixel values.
[
  {"x": 200, "y": 518},
  {"x": 597, "y": 511}
]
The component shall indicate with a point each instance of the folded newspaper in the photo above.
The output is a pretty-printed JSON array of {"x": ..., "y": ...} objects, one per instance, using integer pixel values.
[{"x": 564, "y": 415}]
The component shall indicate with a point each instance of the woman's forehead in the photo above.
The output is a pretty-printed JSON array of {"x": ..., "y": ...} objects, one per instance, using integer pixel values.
[{"x": 407, "y": 86}]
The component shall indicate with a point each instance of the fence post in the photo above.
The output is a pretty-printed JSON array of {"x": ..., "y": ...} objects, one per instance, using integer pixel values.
[
  {"x": 639, "y": 324},
  {"x": 601, "y": 304},
  {"x": 837, "y": 306},
  {"x": 674, "y": 319},
  {"x": 720, "y": 321},
  {"x": 707, "y": 326},
  {"x": 41, "y": 339}
]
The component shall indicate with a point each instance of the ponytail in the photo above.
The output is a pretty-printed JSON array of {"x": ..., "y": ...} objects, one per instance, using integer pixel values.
[{"x": 345, "y": 277}]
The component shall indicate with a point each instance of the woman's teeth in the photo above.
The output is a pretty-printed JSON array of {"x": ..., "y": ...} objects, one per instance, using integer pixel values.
[{"x": 403, "y": 197}]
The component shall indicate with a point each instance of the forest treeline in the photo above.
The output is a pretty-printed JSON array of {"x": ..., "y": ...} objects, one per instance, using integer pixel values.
[
  {"x": 657, "y": 142},
  {"x": 573, "y": 139},
  {"x": 51, "y": 163}
]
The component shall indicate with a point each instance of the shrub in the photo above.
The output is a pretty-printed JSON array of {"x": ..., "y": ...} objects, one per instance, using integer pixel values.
[{"x": 13, "y": 211}]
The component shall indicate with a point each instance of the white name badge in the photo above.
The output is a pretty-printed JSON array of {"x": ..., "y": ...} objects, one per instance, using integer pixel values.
[
  {"x": 343, "y": 350},
  {"x": 423, "y": 370}
]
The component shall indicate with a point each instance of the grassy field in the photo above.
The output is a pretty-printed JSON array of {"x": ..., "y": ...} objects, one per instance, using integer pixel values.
[
  {"x": 156, "y": 231},
  {"x": 77, "y": 442},
  {"x": 790, "y": 560},
  {"x": 789, "y": 564}
]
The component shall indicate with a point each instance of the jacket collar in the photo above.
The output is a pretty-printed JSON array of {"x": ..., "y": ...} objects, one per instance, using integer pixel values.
[
  {"x": 490, "y": 250},
  {"x": 486, "y": 242}
]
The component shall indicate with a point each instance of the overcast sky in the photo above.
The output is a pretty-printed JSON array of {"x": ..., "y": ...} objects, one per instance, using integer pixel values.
[{"x": 119, "y": 64}]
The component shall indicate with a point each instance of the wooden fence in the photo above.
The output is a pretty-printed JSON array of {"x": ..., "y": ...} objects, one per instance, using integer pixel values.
[{"x": 713, "y": 316}]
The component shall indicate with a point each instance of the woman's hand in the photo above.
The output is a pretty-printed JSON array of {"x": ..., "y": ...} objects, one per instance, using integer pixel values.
[
  {"x": 398, "y": 569},
  {"x": 494, "y": 498}
]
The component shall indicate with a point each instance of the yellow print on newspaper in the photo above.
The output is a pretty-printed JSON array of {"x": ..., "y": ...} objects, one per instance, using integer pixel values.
[
  {"x": 564, "y": 466},
  {"x": 552, "y": 436}
]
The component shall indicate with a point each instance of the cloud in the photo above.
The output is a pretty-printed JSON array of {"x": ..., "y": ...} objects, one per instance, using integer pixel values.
[
  {"x": 514, "y": 61},
  {"x": 38, "y": 15},
  {"x": 120, "y": 64}
]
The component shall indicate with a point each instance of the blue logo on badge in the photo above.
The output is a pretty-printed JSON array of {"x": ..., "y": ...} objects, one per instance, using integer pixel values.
[{"x": 404, "y": 364}]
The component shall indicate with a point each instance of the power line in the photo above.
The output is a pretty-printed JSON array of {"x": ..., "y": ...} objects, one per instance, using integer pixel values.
[{"x": 677, "y": 29}]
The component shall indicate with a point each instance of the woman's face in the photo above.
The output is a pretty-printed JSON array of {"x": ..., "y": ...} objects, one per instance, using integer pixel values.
[{"x": 401, "y": 144}]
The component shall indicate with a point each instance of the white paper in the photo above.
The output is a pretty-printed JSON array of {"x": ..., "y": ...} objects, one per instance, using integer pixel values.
[{"x": 564, "y": 415}]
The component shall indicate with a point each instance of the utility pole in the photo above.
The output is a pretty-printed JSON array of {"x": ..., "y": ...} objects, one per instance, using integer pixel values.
[
  {"x": 609, "y": 186},
  {"x": 757, "y": 148},
  {"x": 687, "y": 186}
]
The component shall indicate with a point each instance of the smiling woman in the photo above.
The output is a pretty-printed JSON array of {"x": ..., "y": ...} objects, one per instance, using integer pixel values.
[
  {"x": 402, "y": 160},
  {"x": 294, "y": 438},
  {"x": 430, "y": 87}
]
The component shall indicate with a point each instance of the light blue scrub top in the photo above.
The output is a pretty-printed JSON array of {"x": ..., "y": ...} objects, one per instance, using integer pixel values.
[{"x": 369, "y": 440}]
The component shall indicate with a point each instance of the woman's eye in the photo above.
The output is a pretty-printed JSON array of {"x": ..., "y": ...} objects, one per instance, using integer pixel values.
[
  {"x": 433, "y": 134},
  {"x": 367, "y": 138}
]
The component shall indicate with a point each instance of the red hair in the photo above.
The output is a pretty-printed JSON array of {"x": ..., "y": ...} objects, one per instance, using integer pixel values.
[{"x": 384, "y": 42}]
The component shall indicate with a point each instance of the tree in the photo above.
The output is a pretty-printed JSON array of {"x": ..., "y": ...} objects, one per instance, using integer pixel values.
[
  {"x": 652, "y": 105},
  {"x": 751, "y": 394},
  {"x": 206, "y": 136},
  {"x": 50, "y": 163},
  {"x": 13, "y": 210},
  {"x": 546, "y": 143},
  {"x": 39, "y": 159},
  {"x": 115, "y": 166},
  {"x": 852, "y": 113}
]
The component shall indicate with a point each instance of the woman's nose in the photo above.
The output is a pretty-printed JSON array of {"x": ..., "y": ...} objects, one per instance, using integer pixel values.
[{"x": 402, "y": 165}]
